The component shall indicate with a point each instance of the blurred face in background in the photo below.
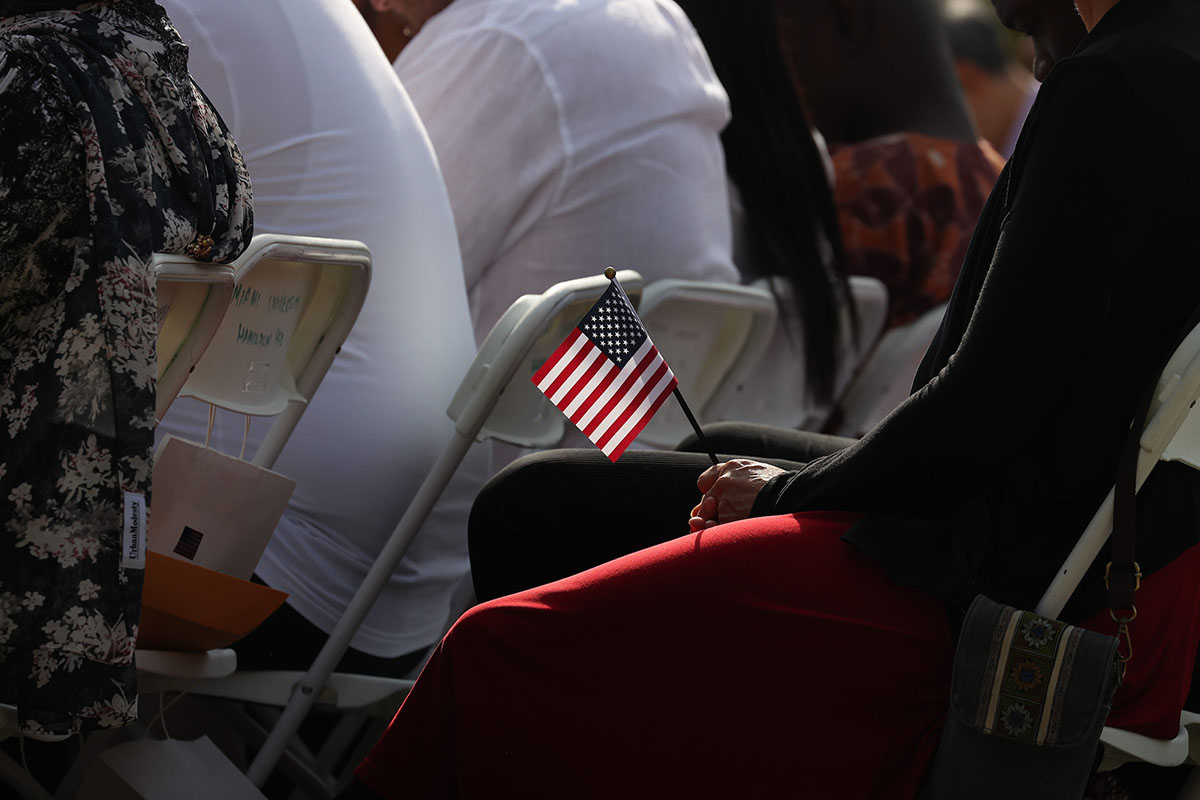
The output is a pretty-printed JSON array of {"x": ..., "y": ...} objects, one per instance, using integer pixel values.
[{"x": 1054, "y": 26}]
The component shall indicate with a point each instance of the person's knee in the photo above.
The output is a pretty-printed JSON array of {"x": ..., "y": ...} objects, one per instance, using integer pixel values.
[
  {"x": 505, "y": 520},
  {"x": 526, "y": 479},
  {"x": 508, "y": 490},
  {"x": 477, "y": 621}
]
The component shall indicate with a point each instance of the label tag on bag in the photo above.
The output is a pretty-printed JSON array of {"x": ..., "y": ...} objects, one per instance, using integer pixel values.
[{"x": 133, "y": 537}]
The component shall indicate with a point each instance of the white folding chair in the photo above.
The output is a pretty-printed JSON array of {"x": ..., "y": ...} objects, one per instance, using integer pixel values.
[
  {"x": 192, "y": 300},
  {"x": 774, "y": 392},
  {"x": 713, "y": 336},
  {"x": 294, "y": 301},
  {"x": 1171, "y": 433},
  {"x": 495, "y": 400},
  {"x": 887, "y": 374}
]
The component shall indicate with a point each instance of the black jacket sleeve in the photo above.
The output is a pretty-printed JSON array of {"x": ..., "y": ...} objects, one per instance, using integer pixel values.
[{"x": 1079, "y": 209}]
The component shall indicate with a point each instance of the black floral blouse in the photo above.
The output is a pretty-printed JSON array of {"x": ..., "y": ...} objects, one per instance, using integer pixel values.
[{"x": 108, "y": 153}]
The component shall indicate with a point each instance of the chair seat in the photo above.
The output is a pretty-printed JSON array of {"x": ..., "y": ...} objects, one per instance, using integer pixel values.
[
  {"x": 368, "y": 694},
  {"x": 1122, "y": 747},
  {"x": 170, "y": 670},
  {"x": 1191, "y": 721}
]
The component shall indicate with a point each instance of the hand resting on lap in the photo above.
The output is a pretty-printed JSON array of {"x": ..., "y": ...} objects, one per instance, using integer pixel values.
[{"x": 729, "y": 491}]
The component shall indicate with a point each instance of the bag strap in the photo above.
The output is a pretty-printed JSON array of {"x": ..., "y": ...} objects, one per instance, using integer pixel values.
[{"x": 1123, "y": 576}]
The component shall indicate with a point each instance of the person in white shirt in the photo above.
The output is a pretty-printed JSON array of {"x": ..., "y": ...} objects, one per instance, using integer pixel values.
[
  {"x": 335, "y": 149},
  {"x": 571, "y": 136}
]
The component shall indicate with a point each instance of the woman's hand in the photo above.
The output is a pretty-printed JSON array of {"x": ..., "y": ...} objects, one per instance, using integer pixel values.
[{"x": 729, "y": 490}]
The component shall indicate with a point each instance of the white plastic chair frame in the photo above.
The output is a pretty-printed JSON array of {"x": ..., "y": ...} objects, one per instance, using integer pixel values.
[
  {"x": 773, "y": 392},
  {"x": 338, "y": 272},
  {"x": 523, "y": 416},
  {"x": 311, "y": 340},
  {"x": 192, "y": 299},
  {"x": 1171, "y": 433},
  {"x": 713, "y": 335},
  {"x": 886, "y": 375},
  {"x": 532, "y": 321}
]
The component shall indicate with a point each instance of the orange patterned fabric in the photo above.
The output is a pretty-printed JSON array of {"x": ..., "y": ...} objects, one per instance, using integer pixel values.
[{"x": 907, "y": 205}]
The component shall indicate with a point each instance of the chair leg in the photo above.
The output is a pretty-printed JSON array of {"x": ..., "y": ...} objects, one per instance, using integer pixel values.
[
  {"x": 291, "y": 764},
  {"x": 343, "y": 736},
  {"x": 368, "y": 736}
]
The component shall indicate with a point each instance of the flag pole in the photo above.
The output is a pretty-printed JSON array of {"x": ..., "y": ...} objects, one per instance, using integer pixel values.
[
  {"x": 696, "y": 427},
  {"x": 611, "y": 274}
]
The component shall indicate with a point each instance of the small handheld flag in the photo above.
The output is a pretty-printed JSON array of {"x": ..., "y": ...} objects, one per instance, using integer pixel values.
[{"x": 608, "y": 377}]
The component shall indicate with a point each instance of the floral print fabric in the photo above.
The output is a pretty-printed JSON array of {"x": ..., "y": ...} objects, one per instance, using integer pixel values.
[
  {"x": 108, "y": 153},
  {"x": 907, "y": 205}
]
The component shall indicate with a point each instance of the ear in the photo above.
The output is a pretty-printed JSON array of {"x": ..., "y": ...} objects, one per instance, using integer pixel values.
[{"x": 854, "y": 19}]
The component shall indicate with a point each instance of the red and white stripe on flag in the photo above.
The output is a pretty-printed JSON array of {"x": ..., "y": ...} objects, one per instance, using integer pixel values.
[{"x": 609, "y": 402}]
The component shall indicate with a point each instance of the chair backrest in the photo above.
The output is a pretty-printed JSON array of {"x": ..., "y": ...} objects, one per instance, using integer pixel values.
[
  {"x": 492, "y": 401},
  {"x": 887, "y": 374},
  {"x": 295, "y": 300},
  {"x": 192, "y": 300},
  {"x": 1171, "y": 433},
  {"x": 774, "y": 393},
  {"x": 518, "y": 344},
  {"x": 712, "y": 335}
]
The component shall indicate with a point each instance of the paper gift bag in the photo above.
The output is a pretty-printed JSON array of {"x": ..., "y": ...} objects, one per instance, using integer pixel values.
[
  {"x": 211, "y": 519},
  {"x": 149, "y": 769},
  {"x": 212, "y": 509}
]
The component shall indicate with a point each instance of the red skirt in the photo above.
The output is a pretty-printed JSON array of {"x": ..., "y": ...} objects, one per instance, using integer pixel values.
[{"x": 765, "y": 658}]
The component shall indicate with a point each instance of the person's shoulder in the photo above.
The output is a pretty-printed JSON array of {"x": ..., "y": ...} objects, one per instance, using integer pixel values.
[
  {"x": 1161, "y": 51},
  {"x": 1144, "y": 76},
  {"x": 1083, "y": 90},
  {"x": 41, "y": 160},
  {"x": 29, "y": 85},
  {"x": 620, "y": 26}
]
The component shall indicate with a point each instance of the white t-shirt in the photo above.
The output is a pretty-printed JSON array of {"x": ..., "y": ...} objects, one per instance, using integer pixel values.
[
  {"x": 573, "y": 136},
  {"x": 335, "y": 149}
]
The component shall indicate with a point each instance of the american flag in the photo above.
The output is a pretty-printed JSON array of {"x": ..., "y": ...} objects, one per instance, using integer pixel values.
[{"x": 608, "y": 377}]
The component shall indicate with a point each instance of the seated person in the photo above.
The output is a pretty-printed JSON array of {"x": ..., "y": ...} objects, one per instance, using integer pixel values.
[
  {"x": 571, "y": 136},
  {"x": 784, "y": 222},
  {"x": 346, "y": 157},
  {"x": 799, "y": 640},
  {"x": 911, "y": 173},
  {"x": 110, "y": 155}
]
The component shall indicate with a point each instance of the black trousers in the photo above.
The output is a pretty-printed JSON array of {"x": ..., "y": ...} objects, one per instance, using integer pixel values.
[
  {"x": 287, "y": 640},
  {"x": 556, "y": 513}
]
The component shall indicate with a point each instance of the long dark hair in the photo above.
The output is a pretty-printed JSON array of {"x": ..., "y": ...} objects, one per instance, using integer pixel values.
[{"x": 778, "y": 170}]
